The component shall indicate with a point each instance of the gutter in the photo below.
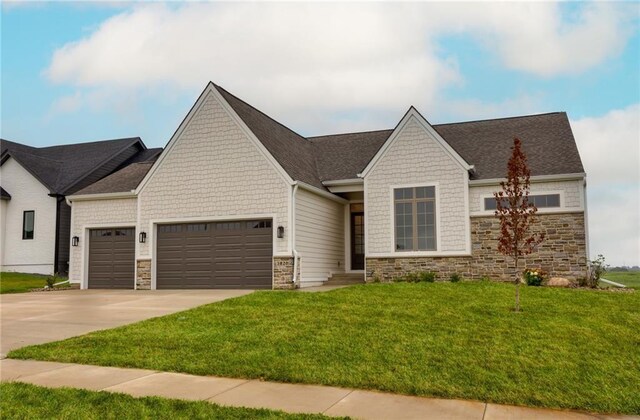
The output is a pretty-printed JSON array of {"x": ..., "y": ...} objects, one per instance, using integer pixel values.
[
  {"x": 533, "y": 179},
  {"x": 102, "y": 196}
]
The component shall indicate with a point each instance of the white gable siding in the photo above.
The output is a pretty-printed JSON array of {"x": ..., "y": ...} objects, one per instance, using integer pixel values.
[
  {"x": 119, "y": 212},
  {"x": 415, "y": 158},
  {"x": 27, "y": 193},
  {"x": 213, "y": 171},
  {"x": 571, "y": 195},
  {"x": 319, "y": 236}
]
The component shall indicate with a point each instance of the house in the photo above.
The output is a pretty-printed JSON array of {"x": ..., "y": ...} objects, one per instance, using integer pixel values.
[
  {"x": 238, "y": 200},
  {"x": 34, "y": 216}
]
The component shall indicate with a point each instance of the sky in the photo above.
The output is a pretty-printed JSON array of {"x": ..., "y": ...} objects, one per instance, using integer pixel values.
[{"x": 83, "y": 71}]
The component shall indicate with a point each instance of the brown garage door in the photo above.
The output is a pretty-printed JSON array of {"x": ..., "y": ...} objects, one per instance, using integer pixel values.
[
  {"x": 111, "y": 258},
  {"x": 216, "y": 255}
]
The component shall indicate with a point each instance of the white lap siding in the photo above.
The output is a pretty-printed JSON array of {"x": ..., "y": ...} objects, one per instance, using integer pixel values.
[
  {"x": 319, "y": 230},
  {"x": 213, "y": 171},
  {"x": 415, "y": 159},
  {"x": 93, "y": 214}
]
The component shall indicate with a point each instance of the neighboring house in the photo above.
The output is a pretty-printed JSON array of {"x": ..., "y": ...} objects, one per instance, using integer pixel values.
[
  {"x": 35, "y": 219},
  {"x": 238, "y": 200}
]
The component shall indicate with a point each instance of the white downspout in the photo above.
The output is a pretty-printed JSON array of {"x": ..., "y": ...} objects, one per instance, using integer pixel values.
[{"x": 296, "y": 257}]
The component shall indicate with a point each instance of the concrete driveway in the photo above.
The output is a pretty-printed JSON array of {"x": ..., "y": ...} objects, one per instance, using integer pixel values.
[{"x": 42, "y": 317}]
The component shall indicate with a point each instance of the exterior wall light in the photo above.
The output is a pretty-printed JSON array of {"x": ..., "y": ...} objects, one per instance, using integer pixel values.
[
  {"x": 142, "y": 237},
  {"x": 280, "y": 232},
  {"x": 75, "y": 241}
]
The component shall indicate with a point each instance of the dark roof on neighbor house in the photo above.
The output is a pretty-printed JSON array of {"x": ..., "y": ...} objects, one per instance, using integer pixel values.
[
  {"x": 61, "y": 167},
  {"x": 127, "y": 177},
  {"x": 4, "y": 195}
]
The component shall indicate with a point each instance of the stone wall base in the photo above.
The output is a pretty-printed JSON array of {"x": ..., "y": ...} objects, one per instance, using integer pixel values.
[
  {"x": 143, "y": 275},
  {"x": 562, "y": 254},
  {"x": 283, "y": 273}
]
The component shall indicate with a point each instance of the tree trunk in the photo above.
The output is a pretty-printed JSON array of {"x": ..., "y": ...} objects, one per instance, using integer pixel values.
[{"x": 517, "y": 287}]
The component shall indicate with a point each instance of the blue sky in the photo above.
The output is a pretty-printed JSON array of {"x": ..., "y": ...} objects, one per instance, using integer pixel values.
[{"x": 76, "y": 72}]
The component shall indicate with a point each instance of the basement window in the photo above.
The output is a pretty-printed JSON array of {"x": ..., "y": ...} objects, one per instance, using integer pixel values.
[{"x": 28, "y": 218}]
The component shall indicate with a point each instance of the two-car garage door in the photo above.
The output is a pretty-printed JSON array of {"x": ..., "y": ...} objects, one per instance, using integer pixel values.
[{"x": 221, "y": 255}]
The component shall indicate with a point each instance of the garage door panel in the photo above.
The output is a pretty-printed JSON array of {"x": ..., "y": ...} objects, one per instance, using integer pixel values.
[
  {"x": 112, "y": 258},
  {"x": 226, "y": 255}
]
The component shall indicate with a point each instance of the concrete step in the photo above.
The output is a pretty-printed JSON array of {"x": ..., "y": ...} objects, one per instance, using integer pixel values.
[{"x": 345, "y": 278}]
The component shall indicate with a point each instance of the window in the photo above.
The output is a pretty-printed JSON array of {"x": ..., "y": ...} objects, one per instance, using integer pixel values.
[
  {"x": 27, "y": 224},
  {"x": 540, "y": 201},
  {"x": 415, "y": 218}
]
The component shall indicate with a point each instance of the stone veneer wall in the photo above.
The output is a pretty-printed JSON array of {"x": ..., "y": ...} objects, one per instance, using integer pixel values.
[
  {"x": 562, "y": 254},
  {"x": 283, "y": 273},
  {"x": 143, "y": 274}
]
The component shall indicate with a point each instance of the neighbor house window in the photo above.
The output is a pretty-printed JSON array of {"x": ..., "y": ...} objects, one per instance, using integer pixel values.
[
  {"x": 27, "y": 224},
  {"x": 539, "y": 200},
  {"x": 415, "y": 218}
]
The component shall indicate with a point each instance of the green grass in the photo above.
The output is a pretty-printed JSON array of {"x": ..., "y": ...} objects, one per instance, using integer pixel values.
[
  {"x": 21, "y": 282},
  {"x": 24, "y": 401},
  {"x": 574, "y": 349},
  {"x": 628, "y": 278}
]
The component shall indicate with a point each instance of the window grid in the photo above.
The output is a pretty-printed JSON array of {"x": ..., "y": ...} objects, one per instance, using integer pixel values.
[{"x": 415, "y": 219}]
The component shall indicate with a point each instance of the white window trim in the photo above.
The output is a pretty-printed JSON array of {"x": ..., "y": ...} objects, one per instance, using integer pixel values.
[
  {"x": 394, "y": 252},
  {"x": 543, "y": 210}
]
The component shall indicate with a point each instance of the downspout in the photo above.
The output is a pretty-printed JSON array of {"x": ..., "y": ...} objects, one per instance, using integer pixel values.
[{"x": 296, "y": 257}]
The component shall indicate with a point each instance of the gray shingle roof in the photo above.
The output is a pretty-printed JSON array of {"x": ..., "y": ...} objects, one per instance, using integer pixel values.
[
  {"x": 59, "y": 167},
  {"x": 127, "y": 177},
  {"x": 292, "y": 151}
]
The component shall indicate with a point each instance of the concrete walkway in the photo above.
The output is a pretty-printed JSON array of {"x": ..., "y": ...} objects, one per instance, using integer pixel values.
[
  {"x": 41, "y": 317},
  {"x": 292, "y": 398}
]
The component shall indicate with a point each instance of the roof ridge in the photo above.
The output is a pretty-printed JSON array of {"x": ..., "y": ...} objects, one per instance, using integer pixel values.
[
  {"x": 500, "y": 118},
  {"x": 353, "y": 132},
  {"x": 257, "y": 110},
  {"x": 22, "y": 152},
  {"x": 87, "y": 143}
]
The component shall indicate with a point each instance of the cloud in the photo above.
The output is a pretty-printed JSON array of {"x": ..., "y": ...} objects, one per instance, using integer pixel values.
[
  {"x": 309, "y": 61},
  {"x": 610, "y": 152}
]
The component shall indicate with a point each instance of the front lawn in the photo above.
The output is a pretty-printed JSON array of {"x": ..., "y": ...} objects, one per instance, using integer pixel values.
[
  {"x": 568, "y": 349},
  {"x": 24, "y": 401},
  {"x": 21, "y": 282},
  {"x": 628, "y": 278}
]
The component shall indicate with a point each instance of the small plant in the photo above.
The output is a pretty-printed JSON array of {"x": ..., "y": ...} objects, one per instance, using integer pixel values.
[
  {"x": 595, "y": 271},
  {"x": 534, "y": 277},
  {"x": 51, "y": 280},
  {"x": 455, "y": 277},
  {"x": 485, "y": 278},
  {"x": 427, "y": 276}
]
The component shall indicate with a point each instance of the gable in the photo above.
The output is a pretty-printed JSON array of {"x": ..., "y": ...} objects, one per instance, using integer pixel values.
[
  {"x": 15, "y": 177},
  {"x": 414, "y": 118}
]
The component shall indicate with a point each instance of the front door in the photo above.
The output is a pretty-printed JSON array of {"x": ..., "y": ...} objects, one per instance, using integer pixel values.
[{"x": 357, "y": 241}]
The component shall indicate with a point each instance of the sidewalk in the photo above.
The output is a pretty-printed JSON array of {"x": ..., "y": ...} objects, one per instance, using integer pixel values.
[{"x": 292, "y": 398}]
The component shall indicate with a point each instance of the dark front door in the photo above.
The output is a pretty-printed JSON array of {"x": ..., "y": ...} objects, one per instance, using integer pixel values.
[{"x": 357, "y": 241}]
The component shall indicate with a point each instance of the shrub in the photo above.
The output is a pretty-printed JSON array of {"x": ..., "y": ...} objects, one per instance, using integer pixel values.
[
  {"x": 455, "y": 277},
  {"x": 534, "y": 277},
  {"x": 427, "y": 276},
  {"x": 595, "y": 271},
  {"x": 485, "y": 278},
  {"x": 51, "y": 280}
]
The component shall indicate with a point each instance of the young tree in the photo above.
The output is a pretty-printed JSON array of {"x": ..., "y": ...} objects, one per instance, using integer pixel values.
[{"x": 515, "y": 213}]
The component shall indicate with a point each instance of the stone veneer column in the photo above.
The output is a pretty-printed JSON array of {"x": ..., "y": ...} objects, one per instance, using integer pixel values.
[
  {"x": 283, "y": 273},
  {"x": 143, "y": 278},
  {"x": 562, "y": 254}
]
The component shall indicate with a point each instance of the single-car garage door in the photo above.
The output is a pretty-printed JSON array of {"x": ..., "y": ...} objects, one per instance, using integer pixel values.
[
  {"x": 215, "y": 255},
  {"x": 112, "y": 258}
]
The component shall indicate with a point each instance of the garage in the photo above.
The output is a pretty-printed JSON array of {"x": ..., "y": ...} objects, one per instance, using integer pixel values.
[
  {"x": 112, "y": 258},
  {"x": 215, "y": 255}
]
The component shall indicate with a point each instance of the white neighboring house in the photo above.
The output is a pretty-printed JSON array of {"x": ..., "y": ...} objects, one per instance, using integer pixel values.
[
  {"x": 34, "y": 216},
  {"x": 238, "y": 200}
]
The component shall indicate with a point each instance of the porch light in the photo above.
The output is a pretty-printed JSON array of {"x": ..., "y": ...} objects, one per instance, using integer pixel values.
[
  {"x": 280, "y": 232},
  {"x": 142, "y": 237},
  {"x": 75, "y": 241}
]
